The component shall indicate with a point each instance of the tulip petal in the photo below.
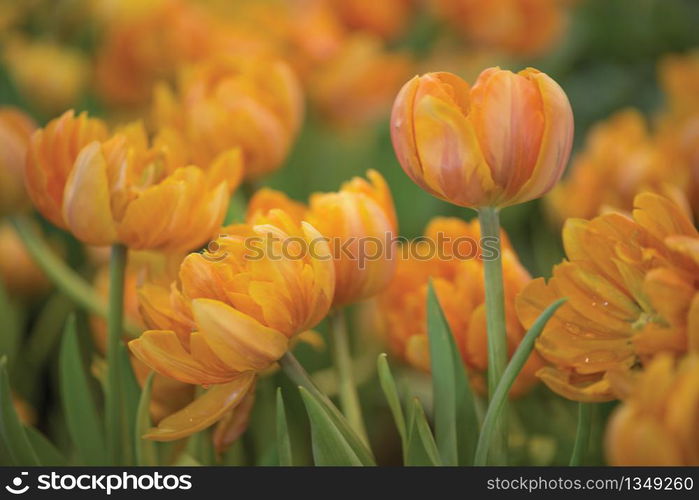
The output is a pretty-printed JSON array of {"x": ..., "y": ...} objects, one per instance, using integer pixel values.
[
  {"x": 203, "y": 411},
  {"x": 242, "y": 342},
  {"x": 164, "y": 353},
  {"x": 86, "y": 199}
]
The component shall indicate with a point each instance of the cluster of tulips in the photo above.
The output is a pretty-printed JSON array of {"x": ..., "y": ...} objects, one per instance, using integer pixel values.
[{"x": 212, "y": 281}]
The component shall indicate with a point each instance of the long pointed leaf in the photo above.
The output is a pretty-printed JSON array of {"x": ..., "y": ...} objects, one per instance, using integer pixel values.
[
  {"x": 12, "y": 434},
  {"x": 456, "y": 424},
  {"x": 329, "y": 445},
  {"x": 84, "y": 424},
  {"x": 45, "y": 450},
  {"x": 388, "y": 385},
  {"x": 10, "y": 337},
  {"x": 131, "y": 395},
  {"x": 283, "y": 440},
  {"x": 508, "y": 378},
  {"x": 146, "y": 453},
  {"x": 422, "y": 449}
]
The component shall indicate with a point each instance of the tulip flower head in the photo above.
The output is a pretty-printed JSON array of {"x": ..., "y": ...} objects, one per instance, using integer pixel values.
[
  {"x": 632, "y": 293},
  {"x": 359, "y": 221},
  {"x": 119, "y": 189},
  {"x": 503, "y": 141},
  {"x": 657, "y": 422},
  {"x": 232, "y": 314},
  {"x": 253, "y": 103}
]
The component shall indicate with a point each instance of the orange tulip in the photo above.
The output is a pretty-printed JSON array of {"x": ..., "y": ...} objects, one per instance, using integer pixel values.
[
  {"x": 657, "y": 422},
  {"x": 504, "y": 141},
  {"x": 621, "y": 158},
  {"x": 232, "y": 314},
  {"x": 521, "y": 27},
  {"x": 357, "y": 83},
  {"x": 360, "y": 223},
  {"x": 18, "y": 272},
  {"x": 121, "y": 190},
  {"x": 386, "y": 19},
  {"x": 50, "y": 76},
  {"x": 632, "y": 293},
  {"x": 254, "y": 103},
  {"x": 15, "y": 130},
  {"x": 452, "y": 260}
]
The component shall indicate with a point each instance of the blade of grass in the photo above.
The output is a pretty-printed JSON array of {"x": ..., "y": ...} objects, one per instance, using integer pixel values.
[{"x": 283, "y": 441}]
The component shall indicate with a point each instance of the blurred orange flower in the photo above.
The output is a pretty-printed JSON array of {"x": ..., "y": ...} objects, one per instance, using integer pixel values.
[
  {"x": 504, "y": 141},
  {"x": 232, "y": 315},
  {"x": 121, "y": 189},
  {"x": 657, "y": 423},
  {"x": 18, "y": 272},
  {"x": 50, "y": 76},
  {"x": 521, "y": 27},
  {"x": 253, "y": 103},
  {"x": 451, "y": 257},
  {"x": 620, "y": 159},
  {"x": 15, "y": 131},
  {"x": 632, "y": 290},
  {"x": 387, "y": 19},
  {"x": 356, "y": 85},
  {"x": 360, "y": 223}
]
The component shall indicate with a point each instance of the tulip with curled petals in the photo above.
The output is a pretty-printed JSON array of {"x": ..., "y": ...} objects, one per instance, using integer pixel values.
[
  {"x": 118, "y": 188},
  {"x": 633, "y": 293},
  {"x": 232, "y": 314},
  {"x": 228, "y": 101},
  {"x": 16, "y": 129},
  {"x": 503, "y": 141},
  {"x": 360, "y": 223},
  {"x": 656, "y": 424}
]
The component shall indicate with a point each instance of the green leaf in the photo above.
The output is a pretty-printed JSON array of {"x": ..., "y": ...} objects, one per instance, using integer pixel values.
[
  {"x": 82, "y": 419},
  {"x": 131, "y": 396},
  {"x": 508, "y": 378},
  {"x": 388, "y": 385},
  {"x": 422, "y": 449},
  {"x": 45, "y": 450},
  {"x": 12, "y": 434},
  {"x": 146, "y": 453},
  {"x": 329, "y": 445},
  {"x": 11, "y": 331},
  {"x": 283, "y": 440},
  {"x": 456, "y": 424}
]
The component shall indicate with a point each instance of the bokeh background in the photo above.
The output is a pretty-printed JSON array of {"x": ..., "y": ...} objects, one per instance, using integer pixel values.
[{"x": 83, "y": 54}]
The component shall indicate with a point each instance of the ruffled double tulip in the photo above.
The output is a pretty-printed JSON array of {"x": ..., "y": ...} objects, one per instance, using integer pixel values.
[
  {"x": 119, "y": 189},
  {"x": 360, "y": 224},
  {"x": 233, "y": 313},
  {"x": 254, "y": 103},
  {"x": 503, "y": 141},
  {"x": 16, "y": 129},
  {"x": 656, "y": 425},
  {"x": 632, "y": 293},
  {"x": 621, "y": 158},
  {"x": 450, "y": 255}
]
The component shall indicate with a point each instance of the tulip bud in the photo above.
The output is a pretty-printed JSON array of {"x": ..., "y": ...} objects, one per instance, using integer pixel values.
[{"x": 503, "y": 141}]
